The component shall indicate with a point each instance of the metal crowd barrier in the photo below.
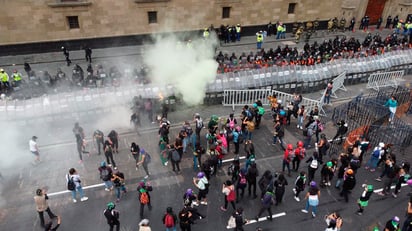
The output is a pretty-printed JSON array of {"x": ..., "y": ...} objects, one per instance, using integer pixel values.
[
  {"x": 239, "y": 98},
  {"x": 306, "y": 78},
  {"x": 385, "y": 79},
  {"x": 80, "y": 101},
  {"x": 297, "y": 78}
]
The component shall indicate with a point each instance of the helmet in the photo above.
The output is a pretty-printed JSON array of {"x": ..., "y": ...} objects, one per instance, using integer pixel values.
[
  {"x": 279, "y": 101},
  {"x": 142, "y": 151},
  {"x": 255, "y": 105},
  {"x": 189, "y": 191},
  {"x": 282, "y": 112},
  {"x": 409, "y": 182},
  {"x": 370, "y": 187},
  {"x": 290, "y": 146},
  {"x": 300, "y": 144},
  {"x": 200, "y": 175},
  {"x": 329, "y": 164},
  {"x": 1, "y": 70},
  {"x": 111, "y": 205},
  {"x": 312, "y": 184},
  {"x": 349, "y": 172},
  {"x": 238, "y": 128},
  {"x": 103, "y": 164},
  {"x": 381, "y": 144}
]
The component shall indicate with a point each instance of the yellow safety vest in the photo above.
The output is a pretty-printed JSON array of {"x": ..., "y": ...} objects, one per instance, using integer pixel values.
[
  {"x": 399, "y": 26},
  {"x": 4, "y": 77},
  {"x": 16, "y": 77},
  {"x": 259, "y": 38},
  {"x": 238, "y": 29},
  {"x": 205, "y": 34},
  {"x": 280, "y": 28}
]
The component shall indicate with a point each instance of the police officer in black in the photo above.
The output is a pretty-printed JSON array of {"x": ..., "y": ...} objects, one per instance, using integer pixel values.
[
  {"x": 88, "y": 54},
  {"x": 67, "y": 55}
]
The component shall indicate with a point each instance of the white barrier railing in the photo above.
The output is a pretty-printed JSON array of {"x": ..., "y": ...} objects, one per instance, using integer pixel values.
[
  {"x": 239, "y": 98},
  {"x": 338, "y": 84},
  {"x": 384, "y": 79}
]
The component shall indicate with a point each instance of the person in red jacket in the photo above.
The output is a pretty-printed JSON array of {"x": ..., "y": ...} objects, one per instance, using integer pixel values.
[{"x": 287, "y": 157}]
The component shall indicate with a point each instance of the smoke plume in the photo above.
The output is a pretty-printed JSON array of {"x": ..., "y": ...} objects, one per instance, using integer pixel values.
[{"x": 186, "y": 65}]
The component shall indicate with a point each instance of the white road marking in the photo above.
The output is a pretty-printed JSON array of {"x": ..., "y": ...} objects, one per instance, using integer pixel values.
[
  {"x": 230, "y": 160},
  {"x": 262, "y": 219},
  {"x": 67, "y": 191},
  {"x": 392, "y": 187}
]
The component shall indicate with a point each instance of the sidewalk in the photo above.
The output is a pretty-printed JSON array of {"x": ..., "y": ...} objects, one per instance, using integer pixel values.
[{"x": 247, "y": 44}]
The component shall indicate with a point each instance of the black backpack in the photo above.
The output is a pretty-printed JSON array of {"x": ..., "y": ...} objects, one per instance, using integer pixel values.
[{"x": 71, "y": 186}]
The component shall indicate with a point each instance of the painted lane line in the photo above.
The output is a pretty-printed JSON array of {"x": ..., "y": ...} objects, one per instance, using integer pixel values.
[
  {"x": 67, "y": 191},
  {"x": 261, "y": 219},
  {"x": 392, "y": 187},
  {"x": 231, "y": 159}
]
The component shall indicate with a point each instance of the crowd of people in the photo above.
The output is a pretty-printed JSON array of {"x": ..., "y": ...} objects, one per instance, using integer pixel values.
[{"x": 340, "y": 47}]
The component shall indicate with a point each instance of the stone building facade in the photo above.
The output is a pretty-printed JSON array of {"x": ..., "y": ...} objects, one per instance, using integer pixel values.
[{"x": 31, "y": 21}]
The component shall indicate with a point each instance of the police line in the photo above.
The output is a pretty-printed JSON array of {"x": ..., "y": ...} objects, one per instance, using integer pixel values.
[
  {"x": 295, "y": 76},
  {"x": 284, "y": 79}
]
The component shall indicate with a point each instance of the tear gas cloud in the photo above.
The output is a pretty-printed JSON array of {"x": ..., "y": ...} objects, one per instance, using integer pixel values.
[{"x": 187, "y": 67}]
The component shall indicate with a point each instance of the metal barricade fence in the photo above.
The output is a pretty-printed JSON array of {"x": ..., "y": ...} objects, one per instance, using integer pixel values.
[{"x": 385, "y": 79}]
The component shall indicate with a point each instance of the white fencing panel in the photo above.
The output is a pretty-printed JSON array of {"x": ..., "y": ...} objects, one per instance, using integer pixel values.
[{"x": 385, "y": 79}]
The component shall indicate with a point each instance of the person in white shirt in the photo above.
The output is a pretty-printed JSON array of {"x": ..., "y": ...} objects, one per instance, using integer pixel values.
[{"x": 34, "y": 149}]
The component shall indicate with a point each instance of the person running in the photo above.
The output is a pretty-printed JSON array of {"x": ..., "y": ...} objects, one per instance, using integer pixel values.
[
  {"x": 42, "y": 206},
  {"x": 112, "y": 216},
  {"x": 34, "y": 149},
  {"x": 75, "y": 177}
]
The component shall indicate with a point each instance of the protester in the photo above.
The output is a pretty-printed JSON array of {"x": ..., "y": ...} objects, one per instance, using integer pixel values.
[
  {"x": 42, "y": 205},
  {"x": 112, "y": 216},
  {"x": 75, "y": 177},
  {"x": 34, "y": 149},
  {"x": 312, "y": 199},
  {"x": 144, "y": 196}
]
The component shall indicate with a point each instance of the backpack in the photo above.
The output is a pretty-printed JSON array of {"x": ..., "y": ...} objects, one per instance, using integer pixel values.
[
  {"x": 242, "y": 180},
  {"x": 105, "y": 174},
  {"x": 231, "y": 196},
  {"x": 314, "y": 163},
  {"x": 199, "y": 124},
  {"x": 250, "y": 126},
  {"x": 169, "y": 221},
  {"x": 321, "y": 127},
  {"x": 267, "y": 198},
  {"x": 144, "y": 198},
  {"x": 232, "y": 123},
  {"x": 261, "y": 111},
  {"x": 175, "y": 156},
  {"x": 71, "y": 186},
  {"x": 376, "y": 153},
  {"x": 300, "y": 153}
]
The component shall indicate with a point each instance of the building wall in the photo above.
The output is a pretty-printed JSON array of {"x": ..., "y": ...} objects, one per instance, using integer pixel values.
[{"x": 28, "y": 21}]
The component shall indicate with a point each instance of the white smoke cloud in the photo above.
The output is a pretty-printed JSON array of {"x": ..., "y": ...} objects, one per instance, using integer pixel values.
[{"x": 187, "y": 67}]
